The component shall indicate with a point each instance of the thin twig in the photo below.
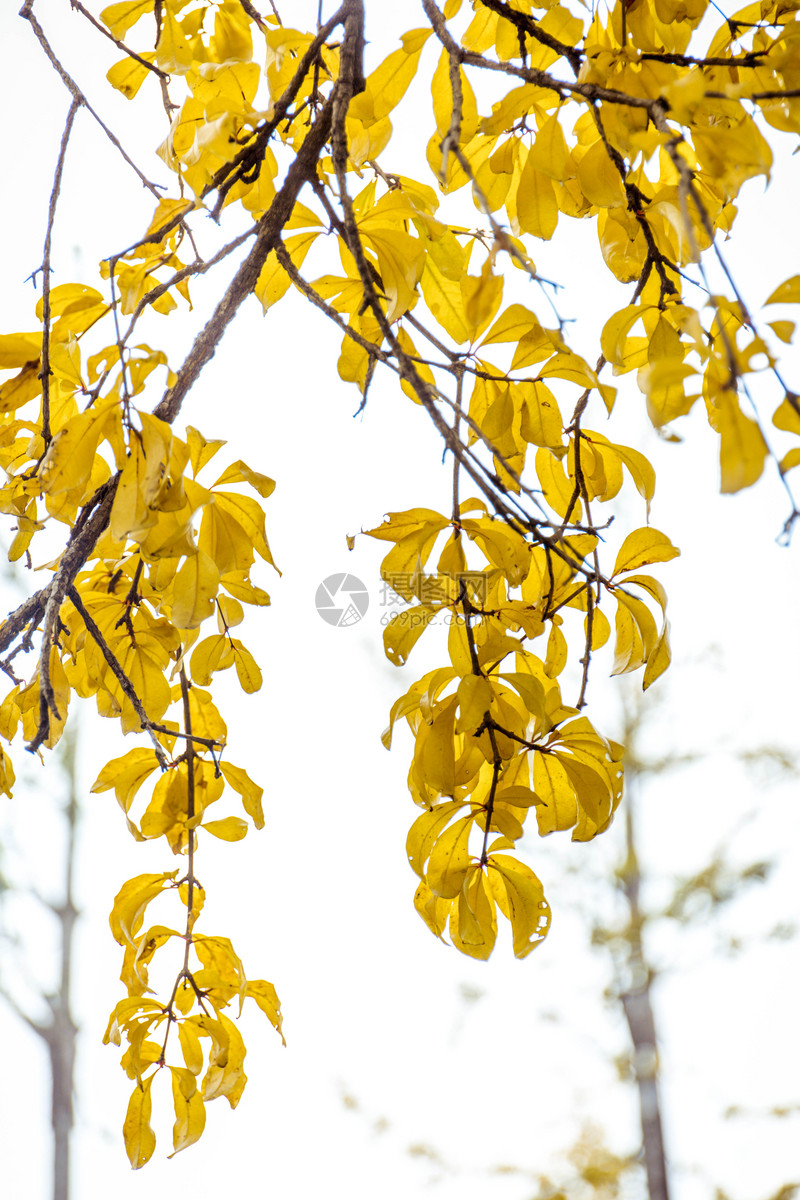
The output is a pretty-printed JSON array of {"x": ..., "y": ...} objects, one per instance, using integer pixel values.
[
  {"x": 118, "y": 673},
  {"x": 27, "y": 12},
  {"x": 76, "y": 4},
  {"x": 85, "y": 533},
  {"x": 51, "y": 215}
]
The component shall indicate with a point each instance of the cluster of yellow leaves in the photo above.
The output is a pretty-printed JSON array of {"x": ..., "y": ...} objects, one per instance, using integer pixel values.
[
  {"x": 196, "y": 1006},
  {"x": 175, "y": 554},
  {"x": 660, "y": 181},
  {"x": 621, "y": 115},
  {"x": 493, "y": 736}
]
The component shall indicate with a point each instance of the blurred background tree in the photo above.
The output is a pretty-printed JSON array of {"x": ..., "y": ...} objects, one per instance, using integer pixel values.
[{"x": 37, "y": 957}]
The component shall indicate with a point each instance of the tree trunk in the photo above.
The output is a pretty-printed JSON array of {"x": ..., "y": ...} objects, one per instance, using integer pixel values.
[
  {"x": 62, "y": 1033},
  {"x": 638, "y": 1009}
]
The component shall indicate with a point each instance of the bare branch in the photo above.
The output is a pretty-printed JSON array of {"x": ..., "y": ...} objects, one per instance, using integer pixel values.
[
  {"x": 51, "y": 215},
  {"x": 27, "y": 12}
]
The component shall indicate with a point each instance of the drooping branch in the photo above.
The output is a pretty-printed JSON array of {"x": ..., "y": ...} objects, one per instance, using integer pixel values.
[{"x": 83, "y": 539}]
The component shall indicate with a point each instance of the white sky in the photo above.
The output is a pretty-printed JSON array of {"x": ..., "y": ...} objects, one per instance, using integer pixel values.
[{"x": 320, "y": 901}]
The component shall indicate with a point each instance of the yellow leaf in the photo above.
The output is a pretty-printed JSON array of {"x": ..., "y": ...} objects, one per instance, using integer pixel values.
[
  {"x": 221, "y": 960},
  {"x": 442, "y": 96},
  {"x": 190, "y": 1045},
  {"x": 225, "y": 1075},
  {"x": 642, "y": 547},
  {"x": 541, "y": 420},
  {"x": 267, "y": 1000},
  {"x": 142, "y": 478},
  {"x": 512, "y": 326},
  {"x": 190, "y": 1111},
  {"x": 24, "y": 386},
  {"x": 229, "y": 613},
  {"x": 475, "y": 694},
  {"x": 249, "y": 515},
  {"x": 387, "y": 85},
  {"x": 787, "y": 414},
  {"x": 76, "y": 306},
  {"x": 200, "y": 450},
  {"x": 531, "y": 691},
  {"x": 433, "y": 909},
  {"x": 239, "y": 586},
  {"x": 70, "y": 456},
  {"x": 228, "y": 829},
  {"x": 247, "y": 669},
  {"x": 132, "y": 900},
  {"x": 400, "y": 262},
  {"x": 274, "y": 282},
  {"x": 174, "y": 53},
  {"x": 537, "y": 208},
  {"x": 214, "y": 653},
  {"x": 520, "y": 897},
  {"x": 449, "y": 859},
  {"x": 239, "y": 472},
  {"x": 599, "y": 179},
  {"x": 473, "y": 922},
  {"x": 789, "y": 460},
  {"x": 549, "y": 153},
  {"x": 659, "y": 658},
  {"x": 446, "y": 301},
  {"x": 250, "y": 792},
  {"x": 482, "y": 297},
  {"x": 629, "y": 652},
  {"x": 742, "y": 447},
  {"x": 559, "y": 808},
  {"x": 783, "y": 329},
  {"x": 232, "y": 40},
  {"x": 426, "y": 829},
  {"x": 422, "y": 369},
  {"x": 140, "y": 1141},
  {"x": 19, "y": 349},
  {"x": 404, "y": 629},
  {"x": 120, "y": 17},
  {"x": 559, "y": 490},
  {"x": 503, "y": 547},
  {"x": 399, "y": 525},
  {"x": 6, "y": 774},
  {"x": 614, "y": 337},
  {"x": 601, "y": 630},
  {"x": 643, "y": 618},
  {"x": 166, "y": 211},
  {"x": 437, "y": 758},
  {"x": 194, "y": 588},
  {"x": 787, "y": 293},
  {"x": 518, "y": 797},
  {"x": 139, "y": 955},
  {"x": 126, "y": 775},
  {"x": 556, "y": 658}
]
